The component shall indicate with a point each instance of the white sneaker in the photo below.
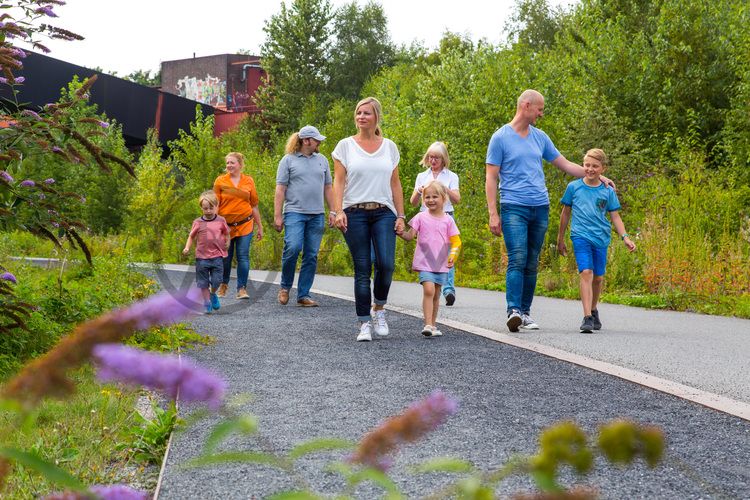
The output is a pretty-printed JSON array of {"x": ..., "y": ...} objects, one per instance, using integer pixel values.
[
  {"x": 427, "y": 331},
  {"x": 379, "y": 323},
  {"x": 514, "y": 321},
  {"x": 436, "y": 332},
  {"x": 527, "y": 323},
  {"x": 365, "y": 332}
]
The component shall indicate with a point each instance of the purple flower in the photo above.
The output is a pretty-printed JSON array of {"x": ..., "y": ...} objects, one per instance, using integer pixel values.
[
  {"x": 50, "y": 180},
  {"x": 162, "y": 308},
  {"x": 109, "y": 492},
  {"x": 6, "y": 176},
  {"x": 3, "y": 80},
  {"x": 20, "y": 79},
  {"x": 19, "y": 53},
  {"x": 56, "y": 149},
  {"x": 167, "y": 373},
  {"x": 420, "y": 418},
  {"x": 8, "y": 277},
  {"x": 55, "y": 224},
  {"x": 103, "y": 124},
  {"x": 28, "y": 183},
  {"x": 41, "y": 196},
  {"x": 46, "y": 10},
  {"x": 31, "y": 113}
]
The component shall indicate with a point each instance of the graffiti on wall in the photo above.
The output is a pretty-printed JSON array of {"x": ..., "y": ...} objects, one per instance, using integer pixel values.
[{"x": 210, "y": 90}]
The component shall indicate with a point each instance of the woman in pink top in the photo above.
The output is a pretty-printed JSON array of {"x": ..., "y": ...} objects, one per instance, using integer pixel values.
[{"x": 437, "y": 247}]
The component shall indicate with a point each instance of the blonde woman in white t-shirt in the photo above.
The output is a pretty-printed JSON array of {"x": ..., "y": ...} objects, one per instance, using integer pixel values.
[{"x": 369, "y": 210}]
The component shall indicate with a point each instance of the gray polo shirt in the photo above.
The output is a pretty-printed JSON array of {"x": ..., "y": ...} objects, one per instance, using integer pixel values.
[{"x": 305, "y": 179}]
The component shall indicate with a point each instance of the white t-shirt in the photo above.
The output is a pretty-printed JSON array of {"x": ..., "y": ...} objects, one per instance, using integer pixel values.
[
  {"x": 368, "y": 176},
  {"x": 445, "y": 177}
]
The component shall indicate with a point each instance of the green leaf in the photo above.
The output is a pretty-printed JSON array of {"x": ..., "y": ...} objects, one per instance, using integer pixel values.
[
  {"x": 546, "y": 482},
  {"x": 445, "y": 464},
  {"x": 320, "y": 445},
  {"x": 244, "y": 424},
  {"x": 235, "y": 456},
  {"x": 294, "y": 495},
  {"x": 50, "y": 471}
]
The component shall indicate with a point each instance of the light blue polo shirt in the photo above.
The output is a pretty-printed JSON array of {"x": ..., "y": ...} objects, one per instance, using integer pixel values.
[
  {"x": 590, "y": 206},
  {"x": 305, "y": 179},
  {"x": 520, "y": 162}
]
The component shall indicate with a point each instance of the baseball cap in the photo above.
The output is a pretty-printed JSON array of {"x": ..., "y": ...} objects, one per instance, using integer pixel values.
[{"x": 310, "y": 132}]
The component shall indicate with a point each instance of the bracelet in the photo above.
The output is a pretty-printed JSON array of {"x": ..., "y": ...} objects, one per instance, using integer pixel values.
[
  {"x": 401, "y": 217},
  {"x": 333, "y": 212},
  {"x": 624, "y": 235}
]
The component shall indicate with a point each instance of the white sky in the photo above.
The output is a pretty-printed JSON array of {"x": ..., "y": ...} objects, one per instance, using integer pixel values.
[{"x": 125, "y": 36}]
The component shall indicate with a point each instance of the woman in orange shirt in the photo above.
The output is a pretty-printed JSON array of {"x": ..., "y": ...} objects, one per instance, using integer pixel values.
[{"x": 238, "y": 204}]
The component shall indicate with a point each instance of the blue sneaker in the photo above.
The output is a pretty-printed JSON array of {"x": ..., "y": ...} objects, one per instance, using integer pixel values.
[
  {"x": 215, "y": 304},
  {"x": 208, "y": 307}
]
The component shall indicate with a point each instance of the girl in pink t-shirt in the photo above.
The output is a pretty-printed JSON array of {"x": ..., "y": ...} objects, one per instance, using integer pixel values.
[{"x": 436, "y": 251}]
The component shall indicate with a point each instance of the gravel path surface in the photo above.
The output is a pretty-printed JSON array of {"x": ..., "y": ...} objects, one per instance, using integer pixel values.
[{"x": 309, "y": 378}]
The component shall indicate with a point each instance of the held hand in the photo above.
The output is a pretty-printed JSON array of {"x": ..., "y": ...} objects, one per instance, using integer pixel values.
[
  {"x": 450, "y": 262},
  {"x": 340, "y": 221},
  {"x": 562, "y": 249},
  {"x": 496, "y": 226},
  {"x": 331, "y": 220},
  {"x": 278, "y": 223},
  {"x": 420, "y": 189},
  {"x": 399, "y": 226},
  {"x": 629, "y": 243},
  {"x": 608, "y": 182}
]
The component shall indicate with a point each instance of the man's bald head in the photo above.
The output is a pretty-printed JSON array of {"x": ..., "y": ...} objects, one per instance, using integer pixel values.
[{"x": 530, "y": 96}]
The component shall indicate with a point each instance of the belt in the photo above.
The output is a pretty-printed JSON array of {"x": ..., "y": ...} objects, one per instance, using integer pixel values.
[
  {"x": 240, "y": 222},
  {"x": 370, "y": 205}
]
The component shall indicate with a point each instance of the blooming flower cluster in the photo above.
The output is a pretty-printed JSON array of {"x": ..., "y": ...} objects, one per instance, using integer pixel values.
[
  {"x": 6, "y": 176},
  {"x": 110, "y": 492},
  {"x": 8, "y": 277},
  {"x": 46, "y": 375},
  {"x": 172, "y": 375},
  {"x": 28, "y": 183},
  {"x": 420, "y": 418}
]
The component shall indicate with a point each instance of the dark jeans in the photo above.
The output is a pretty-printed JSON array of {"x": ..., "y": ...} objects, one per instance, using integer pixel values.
[
  {"x": 302, "y": 233},
  {"x": 524, "y": 229},
  {"x": 240, "y": 245},
  {"x": 208, "y": 272},
  {"x": 368, "y": 229}
]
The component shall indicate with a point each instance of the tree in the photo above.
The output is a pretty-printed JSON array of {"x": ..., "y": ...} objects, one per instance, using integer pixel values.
[
  {"x": 144, "y": 77},
  {"x": 534, "y": 23},
  {"x": 361, "y": 48},
  {"x": 294, "y": 55}
]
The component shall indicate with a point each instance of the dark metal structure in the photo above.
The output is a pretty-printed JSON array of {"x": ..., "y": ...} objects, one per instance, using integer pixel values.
[{"x": 136, "y": 107}]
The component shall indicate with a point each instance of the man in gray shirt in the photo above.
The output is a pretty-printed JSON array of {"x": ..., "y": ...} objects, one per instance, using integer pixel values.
[{"x": 303, "y": 181}]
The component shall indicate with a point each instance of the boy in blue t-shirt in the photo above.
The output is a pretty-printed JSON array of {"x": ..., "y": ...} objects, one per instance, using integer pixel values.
[{"x": 589, "y": 200}]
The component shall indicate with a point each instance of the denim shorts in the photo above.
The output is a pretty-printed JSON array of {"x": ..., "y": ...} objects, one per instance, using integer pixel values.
[
  {"x": 590, "y": 257},
  {"x": 437, "y": 278},
  {"x": 209, "y": 272}
]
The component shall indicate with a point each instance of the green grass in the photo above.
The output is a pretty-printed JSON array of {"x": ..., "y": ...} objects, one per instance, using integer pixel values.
[{"x": 79, "y": 434}]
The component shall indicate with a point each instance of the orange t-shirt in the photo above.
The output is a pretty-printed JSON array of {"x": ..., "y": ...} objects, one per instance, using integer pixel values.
[{"x": 236, "y": 202}]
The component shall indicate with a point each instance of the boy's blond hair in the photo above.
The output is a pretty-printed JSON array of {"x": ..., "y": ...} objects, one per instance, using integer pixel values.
[
  {"x": 438, "y": 187},
  {"x": 210, "y": 197},
  {"x": 599, "y": 155},
  {"x": 237, "y": 156}
]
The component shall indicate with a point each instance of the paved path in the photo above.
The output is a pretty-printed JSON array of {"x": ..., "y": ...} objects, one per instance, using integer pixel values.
[{"x": 311, "y": 379}]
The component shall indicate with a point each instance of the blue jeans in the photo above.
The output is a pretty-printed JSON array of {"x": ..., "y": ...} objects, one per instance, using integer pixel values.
[
  {"x": 449, "y": 286},
  {"x": 366, "y": 230},
  {"x": 524, "y": 229},
  {"x": 302, "y": 233},
  {"x": 240, "y": 245}
]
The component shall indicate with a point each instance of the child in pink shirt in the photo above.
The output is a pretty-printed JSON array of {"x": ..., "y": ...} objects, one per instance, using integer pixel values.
[
  {"x": 211, "y": 235},
  {"x": 437, "y": 248}
]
